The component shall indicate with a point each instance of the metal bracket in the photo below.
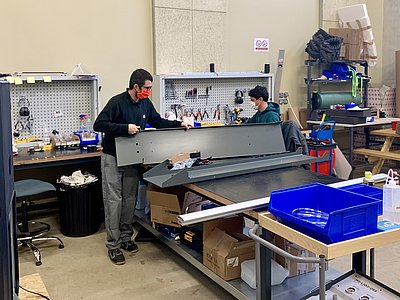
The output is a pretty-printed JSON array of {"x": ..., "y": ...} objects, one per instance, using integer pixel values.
[
  {"x": 309, "y": 260},
  {"x": 161, "y": 176}
]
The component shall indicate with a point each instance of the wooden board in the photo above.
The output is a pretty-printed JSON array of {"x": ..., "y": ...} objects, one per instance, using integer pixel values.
[
  {"x": 378, "y": 154},
  {"x": 385, "y": 132},
  {"x": 33, "y": 283},
  {"x": 217, "y": 198},
  {"x": 268, "y": 221},
  {"x": 47, "y": 157}
]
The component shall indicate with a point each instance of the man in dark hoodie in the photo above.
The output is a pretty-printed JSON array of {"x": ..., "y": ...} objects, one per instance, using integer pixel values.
[
  {"x": 125, "y": 114},
  {"x": 267, "y": 112}
]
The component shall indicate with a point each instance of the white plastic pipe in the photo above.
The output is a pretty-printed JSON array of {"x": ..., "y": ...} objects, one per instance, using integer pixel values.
[{"x": 232, "y": 209}]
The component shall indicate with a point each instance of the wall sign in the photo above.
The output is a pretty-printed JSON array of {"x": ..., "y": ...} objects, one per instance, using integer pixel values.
[{"x": 261, "y": 45}]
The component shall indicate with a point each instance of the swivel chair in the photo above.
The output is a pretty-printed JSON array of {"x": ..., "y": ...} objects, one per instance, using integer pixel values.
[{"x": 29, "y": 232}]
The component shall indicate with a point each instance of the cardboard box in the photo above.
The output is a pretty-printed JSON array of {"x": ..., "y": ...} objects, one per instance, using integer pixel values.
[
  {"x": 224, "y": 251},
  {"x": 164, "y": 208},
  {"x": 353, "y": 52},
  {"x": 350, "y": 36},
  {"x": 342, "y": 52},
  {"x": 295, "y": 268}
]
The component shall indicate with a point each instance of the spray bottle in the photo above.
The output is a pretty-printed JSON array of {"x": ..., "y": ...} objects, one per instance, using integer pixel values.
[{"x": 391, "y": 198}]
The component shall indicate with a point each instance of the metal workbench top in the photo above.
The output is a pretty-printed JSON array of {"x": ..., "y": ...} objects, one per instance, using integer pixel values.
[{"x": 257, "y": 185}]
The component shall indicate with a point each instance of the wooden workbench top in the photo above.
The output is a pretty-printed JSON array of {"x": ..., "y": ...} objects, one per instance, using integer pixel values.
[
  {"x": 25, "y": 158},
  {"x": 388, "y": 132},
  {"x": 268, "y": 221}
]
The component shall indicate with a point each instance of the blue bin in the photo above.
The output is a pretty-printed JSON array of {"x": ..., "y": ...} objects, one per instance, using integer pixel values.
[
  {"x": 368, "y": 191},
  {"x": 325, "y": 213},
  {"x": 323, "y": 132},
  {"x": 87, "y": 141}
]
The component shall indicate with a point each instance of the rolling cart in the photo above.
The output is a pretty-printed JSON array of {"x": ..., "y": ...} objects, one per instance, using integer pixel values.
[{"x": 319, "y": 143}]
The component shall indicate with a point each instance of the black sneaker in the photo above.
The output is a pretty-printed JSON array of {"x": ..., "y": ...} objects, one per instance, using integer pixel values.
[
  {"x": 130, "y": 246},
  {"x": 116, "y": 256}
]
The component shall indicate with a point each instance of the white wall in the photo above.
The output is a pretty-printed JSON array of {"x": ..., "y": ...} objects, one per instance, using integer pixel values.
[
  {"x": 111, "y": 38},
  {"x": 288, "y": 24}
]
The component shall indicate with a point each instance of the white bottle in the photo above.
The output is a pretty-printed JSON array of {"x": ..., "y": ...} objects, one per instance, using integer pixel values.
[
  {"x": 391, "y": 201},
  {"x": 46, "y": 135}
]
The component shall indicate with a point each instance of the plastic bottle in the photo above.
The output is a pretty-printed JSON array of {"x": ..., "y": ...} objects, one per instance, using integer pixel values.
[
  {"x": 46, "y": 135},
  {"x": 368, "y": 179},
  {"x": 391, "y": 201}
]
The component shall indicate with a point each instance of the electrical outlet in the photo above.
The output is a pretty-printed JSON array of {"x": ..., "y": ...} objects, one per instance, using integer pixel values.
[{"x": 283, "y": 95}]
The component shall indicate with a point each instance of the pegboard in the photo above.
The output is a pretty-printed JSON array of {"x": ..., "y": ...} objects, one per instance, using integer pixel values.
[
  {"x": 205, "y": 91},
  {"x": 54, "y": 105}
]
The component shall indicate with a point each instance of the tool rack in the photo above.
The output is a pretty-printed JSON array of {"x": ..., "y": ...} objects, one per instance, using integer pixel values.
[
  {"x": 212, "y": 95},
  {"x": 56, "y": 101}
]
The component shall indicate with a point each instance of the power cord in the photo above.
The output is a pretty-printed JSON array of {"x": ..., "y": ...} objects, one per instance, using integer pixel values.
[{"x": 32, "y": 292}]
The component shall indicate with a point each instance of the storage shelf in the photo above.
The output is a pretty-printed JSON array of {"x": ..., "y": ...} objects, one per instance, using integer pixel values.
[
  {"x": 309, "y": 80},
  {"x": 311, "y": 62},
  {"x": 292, "y": 288},
  {"x": 334, "y": 81},
  {"x": 326, "y": 81},
  {"x": 237, "y": 288}
]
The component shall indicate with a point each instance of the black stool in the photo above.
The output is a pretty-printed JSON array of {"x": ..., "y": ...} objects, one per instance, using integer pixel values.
[{"x": 32, "y": 231}]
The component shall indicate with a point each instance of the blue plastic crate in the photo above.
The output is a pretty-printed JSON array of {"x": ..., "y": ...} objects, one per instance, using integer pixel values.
[
  {"x": 85, "y": 141},
  {"x": 325, "y": 213},
  {"x": 368, "y": 191}
]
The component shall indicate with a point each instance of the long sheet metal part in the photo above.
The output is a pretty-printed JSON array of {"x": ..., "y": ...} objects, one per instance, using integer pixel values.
[
  {"x": 229, "y": 210},
  {"x": 155, "y": 146}
]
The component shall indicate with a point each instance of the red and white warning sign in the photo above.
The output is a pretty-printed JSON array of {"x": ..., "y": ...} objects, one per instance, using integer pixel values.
[{"x": 261, "y": 45}]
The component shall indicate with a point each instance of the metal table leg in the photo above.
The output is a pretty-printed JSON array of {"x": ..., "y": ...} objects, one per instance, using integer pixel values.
[
  {"x": 359, "y": 261},
  {"x": 372, "y": 263},
  {"x": 351, "y": 145},
  {"x": 264, "y": 290}
]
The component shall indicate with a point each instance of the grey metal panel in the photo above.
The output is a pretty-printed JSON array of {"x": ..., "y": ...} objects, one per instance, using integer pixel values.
[
  {"x": 163, "y": 177},
  {"x": 155, "y": 146}
]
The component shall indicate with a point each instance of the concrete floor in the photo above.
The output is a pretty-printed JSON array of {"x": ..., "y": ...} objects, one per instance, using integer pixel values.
[{"x": 82, "y": 270}]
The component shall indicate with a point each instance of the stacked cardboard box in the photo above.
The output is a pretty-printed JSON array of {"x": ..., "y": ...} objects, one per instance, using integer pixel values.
[
  {"x": 293, "y": 267},
  {"x": 352, "y": 42},
  {"x": 225, "y": 247}
]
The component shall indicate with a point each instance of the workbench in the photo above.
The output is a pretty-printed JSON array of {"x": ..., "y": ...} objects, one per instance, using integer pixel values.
[
  {"x": 378, "y": 157},
  {"x": 366, "y": 126},
  {"x": 51, "y": 165},
  {"x": 237, "y": 189},
  {"x": 27, "y": 160},
  {"x": 357, "y": 247}
]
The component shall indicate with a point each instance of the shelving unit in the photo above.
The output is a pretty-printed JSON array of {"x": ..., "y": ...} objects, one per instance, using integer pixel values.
[
  {"x": 292, "y": 288},
  {"x": 310, "y": 81}
]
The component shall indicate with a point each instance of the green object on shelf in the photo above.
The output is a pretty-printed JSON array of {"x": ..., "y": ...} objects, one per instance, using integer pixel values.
[{"x": 325, "y": 100}]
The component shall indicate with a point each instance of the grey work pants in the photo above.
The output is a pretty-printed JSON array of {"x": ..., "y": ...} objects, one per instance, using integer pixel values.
[{"x": 119, "y": 196}]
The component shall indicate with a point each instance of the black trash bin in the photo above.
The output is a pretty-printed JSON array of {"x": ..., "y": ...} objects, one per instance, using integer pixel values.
[{"x": 79, "y": 209}]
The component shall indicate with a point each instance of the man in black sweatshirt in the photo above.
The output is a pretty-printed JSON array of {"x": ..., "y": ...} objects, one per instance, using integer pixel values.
[{"x": 124, "y": 115}]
